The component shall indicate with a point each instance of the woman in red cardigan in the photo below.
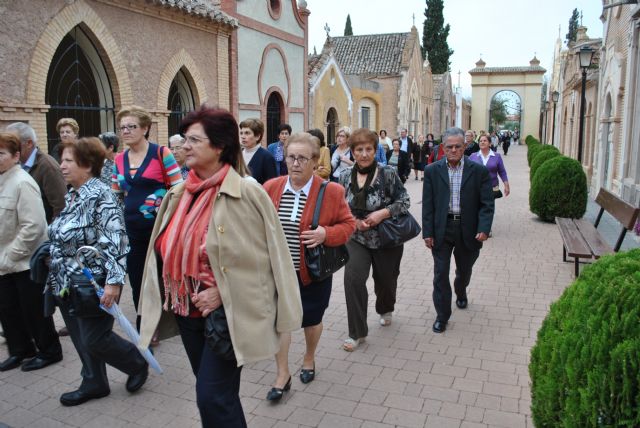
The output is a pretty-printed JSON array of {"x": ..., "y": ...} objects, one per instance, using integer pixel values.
[{"x": 294, "y": 196}]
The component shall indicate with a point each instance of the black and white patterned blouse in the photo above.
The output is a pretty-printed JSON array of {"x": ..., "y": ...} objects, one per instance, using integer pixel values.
[
  {"x": 290, "y": 213},
  {"x": 92, "y": 216},
  {"x": 396, "y": 200}
]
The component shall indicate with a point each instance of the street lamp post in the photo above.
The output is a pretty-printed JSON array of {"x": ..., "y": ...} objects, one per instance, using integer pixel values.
[
  {"x": 585, "y": 55},
  {"x": 546, "y": 121},
  {"x": 555, "y": 97}
]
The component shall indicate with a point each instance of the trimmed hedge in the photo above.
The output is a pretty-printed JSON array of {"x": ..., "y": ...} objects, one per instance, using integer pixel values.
[
  {"x": 544, "y": 154},
  {"x": 585, "y": 365},
  {"x": 559, "y": 189},
  {"x": 530, "y": 139},
  {"x": 532, "y": 151}
]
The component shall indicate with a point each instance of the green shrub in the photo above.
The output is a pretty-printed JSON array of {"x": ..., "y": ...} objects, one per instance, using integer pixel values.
[
  {"x": 532, "y": 151},
  {"x": 545, "y": 153},
  {"x": 585, "y": 365},
  {"x": 559, "y": 189},
  {"x": 530, "y": 138}
]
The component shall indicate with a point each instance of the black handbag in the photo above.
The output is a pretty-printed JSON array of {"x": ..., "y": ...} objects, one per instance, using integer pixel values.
[
  {"x": 217, "y": 336},
  {"x": 497, "y": 193},
  {"x": 84, "y": 301},
  {"x": 323, "y": 261},
  {"x": 397, "y": 230}
]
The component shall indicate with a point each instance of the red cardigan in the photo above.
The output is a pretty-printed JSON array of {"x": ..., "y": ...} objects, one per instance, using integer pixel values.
[{"x": 335, "y": 215}]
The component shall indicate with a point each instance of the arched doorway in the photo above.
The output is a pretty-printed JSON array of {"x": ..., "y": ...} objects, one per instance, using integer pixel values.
[
  {"x": 332, "y": 125},
  {"x": 275, "y": 106},
  {"x": 505, "y": 111},
  {"x": 78, "y": 87},
  {"x": 180, "y": 101}
]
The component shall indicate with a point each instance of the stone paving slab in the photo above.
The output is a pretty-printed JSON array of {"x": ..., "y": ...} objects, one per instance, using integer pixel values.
[{"x": 404, "y": 375}]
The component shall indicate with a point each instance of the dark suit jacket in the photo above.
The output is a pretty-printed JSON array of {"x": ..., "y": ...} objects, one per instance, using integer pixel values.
[
  {"x": 476, "y": 202},
  {"x": 262, "y": 166},
  {"x": 46, "y": 172},
  {"x": 404, "y": 169}
]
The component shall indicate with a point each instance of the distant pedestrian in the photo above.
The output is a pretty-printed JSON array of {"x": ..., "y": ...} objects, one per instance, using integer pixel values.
[
  {"x": 277, "y": 148},
  {"x": 261, "y": 163},
  {"x": 111, "y": 144},
  {"x": 457, "y": 212},
  {"x": 175, "y": 145},
  {"x": 506, "y": 142},
  {"x": 385, "y": 141},
  {"x": 493, "y": 162},
  {"x": 342, "y": 158}
]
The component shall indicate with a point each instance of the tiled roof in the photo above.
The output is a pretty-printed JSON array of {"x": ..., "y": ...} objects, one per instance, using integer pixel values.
[
  {"x": 204, "y": 8},
  {"x": 527, "y": 69},
  {"x": 372, "y": 54}
]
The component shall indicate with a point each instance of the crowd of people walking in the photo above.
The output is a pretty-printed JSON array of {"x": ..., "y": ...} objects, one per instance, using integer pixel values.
[{"x": 227, "y": 242}]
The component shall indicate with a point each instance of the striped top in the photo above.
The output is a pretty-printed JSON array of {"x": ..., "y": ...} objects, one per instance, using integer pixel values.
[{"x": 290, "y": 211}]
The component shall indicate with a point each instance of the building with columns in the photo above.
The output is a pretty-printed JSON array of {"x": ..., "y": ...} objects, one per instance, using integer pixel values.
[{"x": 87, "y": 58}]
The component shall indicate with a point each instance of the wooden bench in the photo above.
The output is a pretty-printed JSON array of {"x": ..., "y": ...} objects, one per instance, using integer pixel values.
[{"x": 581, "y": 239}]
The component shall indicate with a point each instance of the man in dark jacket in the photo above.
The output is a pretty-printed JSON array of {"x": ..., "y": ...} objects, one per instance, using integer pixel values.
[
  {"x": 43, "y": 169},
  {"x": 457, "y": 212}
]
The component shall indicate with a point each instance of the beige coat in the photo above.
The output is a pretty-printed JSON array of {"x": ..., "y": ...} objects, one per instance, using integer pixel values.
[
  {"x": 23, "y": 226},
  {"x": 252, "y": 265}
]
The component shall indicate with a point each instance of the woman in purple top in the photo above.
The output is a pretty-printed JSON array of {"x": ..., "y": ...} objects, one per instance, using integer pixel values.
[{"x": 493, "y": 162}]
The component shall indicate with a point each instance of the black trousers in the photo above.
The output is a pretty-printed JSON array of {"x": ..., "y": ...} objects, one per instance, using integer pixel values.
[
  {"x": 135, "y": 268},
  {"x": 97, "y": 345},
  {"x": 386, "y": 269},
  {"x": 465, "y": 259},
  {"x": 22, "y": 316},
  {"x": 217, "y": 380}
]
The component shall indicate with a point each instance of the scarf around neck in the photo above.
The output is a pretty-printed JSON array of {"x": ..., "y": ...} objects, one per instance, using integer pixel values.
[
  {"x": 183, "y": 238},
  {"x": 360, "y": 193}
]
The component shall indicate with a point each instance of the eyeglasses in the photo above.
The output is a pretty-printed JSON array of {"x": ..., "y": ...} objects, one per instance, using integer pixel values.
[
  {"x": 129, "y": 128},
  {"x": 453, "y": 146},
  {"x": 302, "y": 161},
  {"x": 175, "y": 148},
  {"x": 192, "y": 139}
]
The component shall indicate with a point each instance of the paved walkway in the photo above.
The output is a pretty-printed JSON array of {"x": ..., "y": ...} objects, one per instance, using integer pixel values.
[{"x": 474, "y": 375}]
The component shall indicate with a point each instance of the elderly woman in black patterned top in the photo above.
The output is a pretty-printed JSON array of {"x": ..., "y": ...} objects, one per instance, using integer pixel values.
[
  {"x": 374, "y": 193},
  {"x": 92, "y": 216}
]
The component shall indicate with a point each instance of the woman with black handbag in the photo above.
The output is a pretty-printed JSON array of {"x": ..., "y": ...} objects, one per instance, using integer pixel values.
[
  {"x": 92, "y": 216},
  {"x": 218, "y": 271},
  {"x": 302, "y": 201},
  {"x": 374, "y": 194}
]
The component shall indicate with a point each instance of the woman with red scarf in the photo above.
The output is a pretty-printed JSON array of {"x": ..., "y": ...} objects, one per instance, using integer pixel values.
[{"x": 217, "y": 245}]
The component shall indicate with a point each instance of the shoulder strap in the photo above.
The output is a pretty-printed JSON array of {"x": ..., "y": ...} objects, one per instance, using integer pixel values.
[
  {"x": 164, "y": 171},
  {"x": 316, "y": 212}
]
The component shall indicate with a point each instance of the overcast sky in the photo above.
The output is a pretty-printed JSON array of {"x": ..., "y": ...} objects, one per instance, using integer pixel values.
[{"x": 506, "y": 33}]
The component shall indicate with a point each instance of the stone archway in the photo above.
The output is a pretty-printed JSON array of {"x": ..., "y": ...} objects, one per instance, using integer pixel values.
[{"x": 526, "y": 82}]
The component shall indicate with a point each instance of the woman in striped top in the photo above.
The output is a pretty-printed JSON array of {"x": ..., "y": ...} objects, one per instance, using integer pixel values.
[
  {"x": 295, "y": 199},
  {"x": 142, "y": 174}
]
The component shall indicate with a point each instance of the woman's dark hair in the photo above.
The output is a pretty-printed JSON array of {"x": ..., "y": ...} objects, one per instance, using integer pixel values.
[
  {"x": 430, "y": 135},
  {"x": 10, "y": 141},
  {"x": 221, "y": 129},
  {"x": 318, "y": 134},
  {"x": 363, "y": 136},
  {"x": 110, "y": 139},
  {"x": 284, "y": 127},
  {"x": 87, "y": 152}
]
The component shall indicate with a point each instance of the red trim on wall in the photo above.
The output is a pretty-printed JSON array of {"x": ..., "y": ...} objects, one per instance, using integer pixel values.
[
  {"x": 275, "y": 14},
  {"x": 270, "y": 31},
  {"x": 296, "y": 12},
  {"x": 267, "y": 48}
]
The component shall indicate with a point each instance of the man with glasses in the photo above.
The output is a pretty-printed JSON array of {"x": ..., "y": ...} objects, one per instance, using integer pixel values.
[
  {"x": 457, "y": 213},
  {"x": 175, "y": 145}
]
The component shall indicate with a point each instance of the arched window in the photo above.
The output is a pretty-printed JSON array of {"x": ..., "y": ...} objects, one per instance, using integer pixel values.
[
  {"x": 180, "y": 101},
  {"x": 78, "y": 87},
  {"x": 332, "y": 125},
  {"x": 274, "y": 116}
]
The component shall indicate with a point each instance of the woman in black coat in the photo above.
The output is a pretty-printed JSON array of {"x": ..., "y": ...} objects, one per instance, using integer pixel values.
[{"x": 399, "y": 160}]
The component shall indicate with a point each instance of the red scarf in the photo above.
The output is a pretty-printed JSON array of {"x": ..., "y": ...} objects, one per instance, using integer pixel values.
[{"x": 183, "y": 237}]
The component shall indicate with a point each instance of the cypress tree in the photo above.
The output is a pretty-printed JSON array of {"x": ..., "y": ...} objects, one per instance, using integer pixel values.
[
  {"x": 348, "y": 31},
  {"x": 434, "y": 37},
  {"x": 573, "y": 26}
]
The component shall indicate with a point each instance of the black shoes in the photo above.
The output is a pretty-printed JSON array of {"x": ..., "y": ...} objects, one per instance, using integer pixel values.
[
  {"x": 462, "y": 303},
  {"x": 75, "y": 398},
  {"x": 12, "y": 362},
  {"x": 276, "y": 393},
  {"x": 439, "y": 326},
  {"x": 135, "y": 382},
  {"x": 308, "y": 375},
  {"x": 37, "y": 363}
]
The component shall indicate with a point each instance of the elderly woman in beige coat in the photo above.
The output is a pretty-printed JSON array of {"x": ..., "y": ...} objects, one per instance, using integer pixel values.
[
  {"x": 23, "y": 227},
  {"x": 217, "y": 243}
]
